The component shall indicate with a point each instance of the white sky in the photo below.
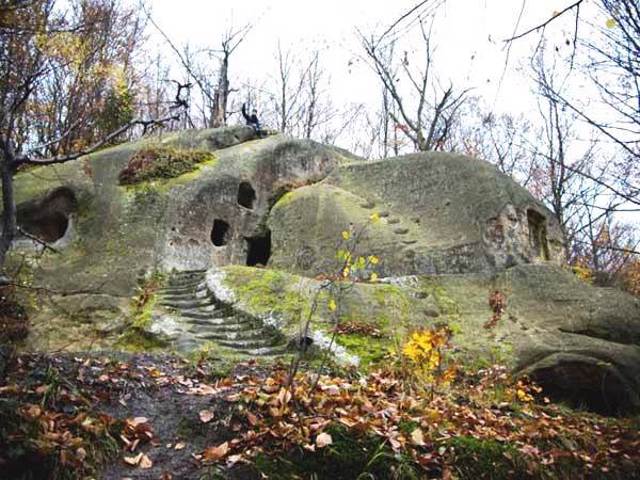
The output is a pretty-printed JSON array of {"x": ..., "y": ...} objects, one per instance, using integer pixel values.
[{"x": 463, "y": 28}]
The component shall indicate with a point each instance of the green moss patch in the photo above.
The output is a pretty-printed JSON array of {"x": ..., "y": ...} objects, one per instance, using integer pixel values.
[
  {"x": 136, "y": 336},
  {"x": 369, "y": 349},
  {"x": 350, "y": 456},
  {"x": 478, "y": 458},
  {"x": 264, "y": 291},
  {"x": 154, "y": 163}
]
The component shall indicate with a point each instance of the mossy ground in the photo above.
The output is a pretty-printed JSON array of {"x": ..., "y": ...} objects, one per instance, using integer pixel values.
[
  {"x": 161, "y": 162},
  {"x": 351, "y": 456},
  {"x": 136, "y": 337},
  {"x": 265, "y": 291}
]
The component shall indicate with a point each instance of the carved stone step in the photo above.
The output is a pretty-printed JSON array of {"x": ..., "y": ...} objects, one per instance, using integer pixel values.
[
  {"x": 266, "y": 351},
  {"x": 221, "y": 314},
  {"x": 187, "y": 304},
  {"x": 169, "y": 290},
  {"x": 187, "y": 295},
  {"x": 250, "y": 344},
  {"x": 257, "y": 335},
  {"x": 201, "y": 326},
  {"x": 185, "y": 282}
]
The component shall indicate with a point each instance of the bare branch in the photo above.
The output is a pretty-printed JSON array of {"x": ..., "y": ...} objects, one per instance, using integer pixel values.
[{"x": 545, "y": 23}]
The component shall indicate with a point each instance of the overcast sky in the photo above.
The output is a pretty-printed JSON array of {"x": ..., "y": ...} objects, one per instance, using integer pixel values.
[{"x": 468, "y": 35}]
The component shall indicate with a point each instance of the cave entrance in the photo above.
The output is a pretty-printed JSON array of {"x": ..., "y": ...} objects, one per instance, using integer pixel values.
[
  {"x": 246, "y": 195},
  {"x": 538, "y": 234},
  {"x": 258, "y": 249},
  {"x": 584, "y": 385},
  {"x": 219, "y": 233},
  {"x": 47, "y": 219}
]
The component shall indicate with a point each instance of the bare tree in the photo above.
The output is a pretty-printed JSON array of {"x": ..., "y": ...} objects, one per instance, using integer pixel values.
[
  {"x": 427, "y": 114},
  {"x": 199, "y": 66},
  {"x": 289, "y": 86},
  {"x": 230, "y": 42},
  {"x": 612, "y": 50}
]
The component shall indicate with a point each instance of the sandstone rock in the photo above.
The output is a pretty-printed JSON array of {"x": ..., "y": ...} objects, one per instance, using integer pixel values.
[{"x": 448, "y": 231}]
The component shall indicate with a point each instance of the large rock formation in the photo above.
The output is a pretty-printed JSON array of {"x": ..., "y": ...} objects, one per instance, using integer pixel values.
[{"x": 452, "y": 230}]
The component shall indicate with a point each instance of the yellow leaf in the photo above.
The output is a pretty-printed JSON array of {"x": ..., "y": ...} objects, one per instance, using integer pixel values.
[
  {"x": 346, "y": 235},
  {"x": 611, "y": 23},
  {"x": 332, "y": 305},
  {"x": 374, "y": 277},
  {"x": 373, "y": 260},
  {"x": 375, "y": 217}
]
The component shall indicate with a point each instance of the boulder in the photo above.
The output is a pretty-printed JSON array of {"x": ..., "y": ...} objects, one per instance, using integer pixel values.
[{"x": 265, "y": 219}]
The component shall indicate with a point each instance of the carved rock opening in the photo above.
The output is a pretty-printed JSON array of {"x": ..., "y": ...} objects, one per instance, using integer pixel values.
[
  {"x": 538, "y": 234},
  {"x": 219, "y": 233},
  {"x": 583, "y": 384},
  {"x": 246, "y": 195},
  {"x": 48, "y": 218},
  {"x": 258, "y": 249}
]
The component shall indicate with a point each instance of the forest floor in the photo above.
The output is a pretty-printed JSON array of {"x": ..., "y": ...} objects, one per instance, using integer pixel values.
[{"x": 140, "y": 416}]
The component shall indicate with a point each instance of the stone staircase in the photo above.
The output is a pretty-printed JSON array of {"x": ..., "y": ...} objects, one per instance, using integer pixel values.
[{"x": 202, "y": 318}]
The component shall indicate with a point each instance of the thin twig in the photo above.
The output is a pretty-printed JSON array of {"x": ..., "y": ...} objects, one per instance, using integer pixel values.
[{"x": 547, "y": 22}]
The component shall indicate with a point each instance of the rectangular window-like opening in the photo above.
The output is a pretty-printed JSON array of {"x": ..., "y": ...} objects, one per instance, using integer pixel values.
[{"x": 538, "y": 234}]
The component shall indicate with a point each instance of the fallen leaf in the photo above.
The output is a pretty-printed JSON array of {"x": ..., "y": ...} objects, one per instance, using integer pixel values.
[
  {"x": 233, "y": 459},
  {"x": 145, "y": 462},
  {"x": 253, "y": 420},
  {"x": 205, "y": 416},
  {"x": 214, "y": 454},
  {"x": 323, "y": 440},
  {"x": 81, "y": 454},
  {"x": 179, "y": 446},
  {"x": 133, "y": 461},
  {"x": 417, "y": 437},
  {"x": 137, "y": 421}
]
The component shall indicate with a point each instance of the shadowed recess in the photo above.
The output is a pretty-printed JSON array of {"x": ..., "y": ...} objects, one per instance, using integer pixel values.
[
  {"x": 48, "y": 218},
  {"x": 246, "y": 195},
  {"x": 538, "y": 234},
  {"x": 586, "y": 385},
  {"x": 219, "y": 233},
  {"x": 258, "y": 249}
]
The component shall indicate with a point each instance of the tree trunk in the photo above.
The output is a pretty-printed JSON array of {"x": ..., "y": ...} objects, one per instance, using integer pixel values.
[
  {"x": 221, "y": 96},
  {"x": 8, "y": 205}
]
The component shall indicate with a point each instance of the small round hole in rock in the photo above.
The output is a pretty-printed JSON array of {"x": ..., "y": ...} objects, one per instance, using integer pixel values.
[
  {"x": 219, "y": 233},
  {"x": 246, "y": 195}
]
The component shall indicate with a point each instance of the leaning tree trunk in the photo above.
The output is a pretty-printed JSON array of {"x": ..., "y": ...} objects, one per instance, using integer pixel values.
[{"x": 8, "y": 206}]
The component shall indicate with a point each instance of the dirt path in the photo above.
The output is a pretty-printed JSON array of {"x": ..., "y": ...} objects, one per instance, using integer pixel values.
[{"x": 165, "y": 394}]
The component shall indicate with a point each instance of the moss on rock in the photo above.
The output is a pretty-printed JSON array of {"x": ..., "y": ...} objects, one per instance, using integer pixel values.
[{"x": 161, "y": 162}]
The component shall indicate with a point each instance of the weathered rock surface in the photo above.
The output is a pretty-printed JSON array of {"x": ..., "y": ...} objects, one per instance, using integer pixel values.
[{"x": 452, "y": 229}]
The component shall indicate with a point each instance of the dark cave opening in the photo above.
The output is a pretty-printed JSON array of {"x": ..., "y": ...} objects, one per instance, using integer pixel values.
[
  {"x": 584, "y": 385},
  {"x": 538, "y": 234},
  {"x": 47, "y": 219},
  {"x": 258, "y": 249},
  {"x": 246, "y": 195},
  {"x": 219, "y": 233}
]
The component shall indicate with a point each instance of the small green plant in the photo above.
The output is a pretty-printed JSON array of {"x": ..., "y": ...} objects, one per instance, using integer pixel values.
[{"x": 135, "y": 335}]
